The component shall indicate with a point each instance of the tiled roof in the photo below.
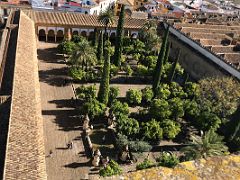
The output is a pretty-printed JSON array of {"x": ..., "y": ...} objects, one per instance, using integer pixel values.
[
  {"x": 220, "y": 39},
  {"x": 25, "y": 154},
  {"x": 76, "y": 20}
]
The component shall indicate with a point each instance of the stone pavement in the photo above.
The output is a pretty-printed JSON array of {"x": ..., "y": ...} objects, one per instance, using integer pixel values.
[{"x": 59, "y": 119}]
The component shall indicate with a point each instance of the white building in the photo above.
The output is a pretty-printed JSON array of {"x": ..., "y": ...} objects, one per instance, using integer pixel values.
[{"x": 87, "y": 6}]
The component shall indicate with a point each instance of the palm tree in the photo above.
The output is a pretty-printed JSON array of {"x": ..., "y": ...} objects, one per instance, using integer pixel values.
[
  {"x": 210, "y": 144},
  {"x": 107, "y": 18},
  {"x": 83, "y": 55}
]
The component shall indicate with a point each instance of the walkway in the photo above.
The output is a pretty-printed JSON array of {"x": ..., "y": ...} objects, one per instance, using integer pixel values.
[{"x": 60, "y": 122}]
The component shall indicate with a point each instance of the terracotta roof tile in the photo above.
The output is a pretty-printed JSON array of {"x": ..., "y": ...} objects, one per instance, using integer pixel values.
[{"x": 76, "y": 19}]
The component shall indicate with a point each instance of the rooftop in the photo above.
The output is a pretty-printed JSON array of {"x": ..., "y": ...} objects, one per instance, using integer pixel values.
[
  {"x": 221, "y": 39},
  {"x": 76, "y": 19}
]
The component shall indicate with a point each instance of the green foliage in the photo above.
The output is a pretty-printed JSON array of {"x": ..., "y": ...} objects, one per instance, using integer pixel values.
[
  {"x": 150, "y": 61},
  {"x": 83, "y": 55},
  {"x": 86, "y": 93},
  {"x": 147, "y": 94},
  {"x": 191, "y": 108},
  {"x": 143, "y": 70},
  {"x": 192, "y": 89},
  {"x": 111, "y": 169},
  {"x": 127, "y": 126},
  {"x": 119, "y": 108},
  {"x": 103, "y": 92},
  {"x": 207, "y": 120},
  {"x": 136, "y": 56},
  {"x": 163, "y": 92},
  {"x": 114, "y": 70},
  {"x": 107, "y": 18},
  {"x": 76, "y": 39},
  {"x": 145, "y": 164},
  {"x": 177, "y": 90},
  {"x": 210, "y": 144},
  {"x": 170, "y": 129},
  {"x": 77, "y": 73},
  {"x": 221, "y": 94},
  {"x": 167, "y": 160},
  {"x": 160, "y": 61},
  {"x": 160, "y": 109},
  {"x": 134, "y": 146},
  {"x": 172, "y": 73},
  {"x": 148, "y": 34},
  {"x": 93, "y": 108},
  {"x": 66, "y": 47},
  {"x": 119, "y": 39},
  {"x": 177, "y": 107},
  {"x": 128, "y": 70},
  {"x": 113, "y": 94},
  {"x": 152, "y": 130},
  {"x": 134, "y": 96},
  {"x": 100, "y": 48}
]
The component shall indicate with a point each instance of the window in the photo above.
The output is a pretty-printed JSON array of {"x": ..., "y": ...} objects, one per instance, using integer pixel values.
[
  {"x": 86, "y": 12},
  {"x": 119, "y": 6}
]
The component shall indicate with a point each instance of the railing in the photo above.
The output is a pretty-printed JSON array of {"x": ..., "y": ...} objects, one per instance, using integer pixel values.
[{"x": 204, "y": 51}]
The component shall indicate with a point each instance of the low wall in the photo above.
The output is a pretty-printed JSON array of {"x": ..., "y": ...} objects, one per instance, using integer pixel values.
[
  {"x": 25, "y": 156},
  {"x": 214, "y": 168}
]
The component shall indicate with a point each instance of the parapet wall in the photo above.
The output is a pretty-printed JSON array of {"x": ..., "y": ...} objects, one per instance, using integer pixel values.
[
  {"x": 214, "y": 168},
  {"x": 25, "y": 156}
]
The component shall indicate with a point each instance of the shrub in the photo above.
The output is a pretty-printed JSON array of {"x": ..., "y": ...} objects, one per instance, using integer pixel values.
[
  {"x": 111, "y": 169},
  {"x": 143, "y": 71},
  {"x": 128, "y": 70},
  {"x": 139, "y": 146},
  {"x": 127, "y": 126},
  {"x": 207, "y": 120},
  {"x": 163, "y": 92},
  {"x": 134, "y": 96},
  {"x": 160, "y": 108},
  {"x": 177, "y": 90},
  {"x": 93, "y": 108},
  {"x": 86, "y": 93},
  {"x": 167, "y": 160},
  {"x": 177, "y": 107},
  {"x": 66, "y": 47},
  {"x": 170, "y": 128},
  {"x": 77, "y": 74},
  {"x": 145, "y": 164},
  {"x": 147, "y": 94},
  {"x": 113, "y": 94},
  {"x": 119, "y": 108},
  {"x": 113, "y": 70},
  {"x": 152, "y": 130},
  {"x": 135, "y": 146},
  {"x": 192, "y": 89}
]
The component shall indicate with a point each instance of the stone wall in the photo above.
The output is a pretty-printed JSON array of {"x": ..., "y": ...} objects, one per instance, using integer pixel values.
[
  {"x": 214, "y": 168},
  {"x": 25, "y": 156},
  {"x": 193, "y": 62}
]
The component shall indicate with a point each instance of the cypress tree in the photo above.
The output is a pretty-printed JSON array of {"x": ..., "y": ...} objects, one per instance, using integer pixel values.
[
  {"x": 119, "y": 38},
  {"x": 186, "y": 77},
  {"x": 167, "y": 53},
  {"x": 100, "y": 47},
  {"x": 171, "y": 76},
  {"x": 160, "y": 61},
  {"x": 104, "y": 85},
  {"x": 94, "y": 41}
]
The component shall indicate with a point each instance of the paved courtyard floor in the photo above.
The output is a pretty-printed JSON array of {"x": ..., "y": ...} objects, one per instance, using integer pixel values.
[{"x": 60, "y": 122}]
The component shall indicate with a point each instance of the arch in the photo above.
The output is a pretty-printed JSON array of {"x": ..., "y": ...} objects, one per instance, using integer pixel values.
[
  {"x": 60, "y": 35},
  {"x": 134, "y": 35},
  {"x": 84, "y": 33},
  {"x": 91, "y": 35},
  {"x": 75, "y": 33},
  {"x": 112, "y": 37},
  {"x": 51, "y": 35},
  {"x": 42, "y": 35}
]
